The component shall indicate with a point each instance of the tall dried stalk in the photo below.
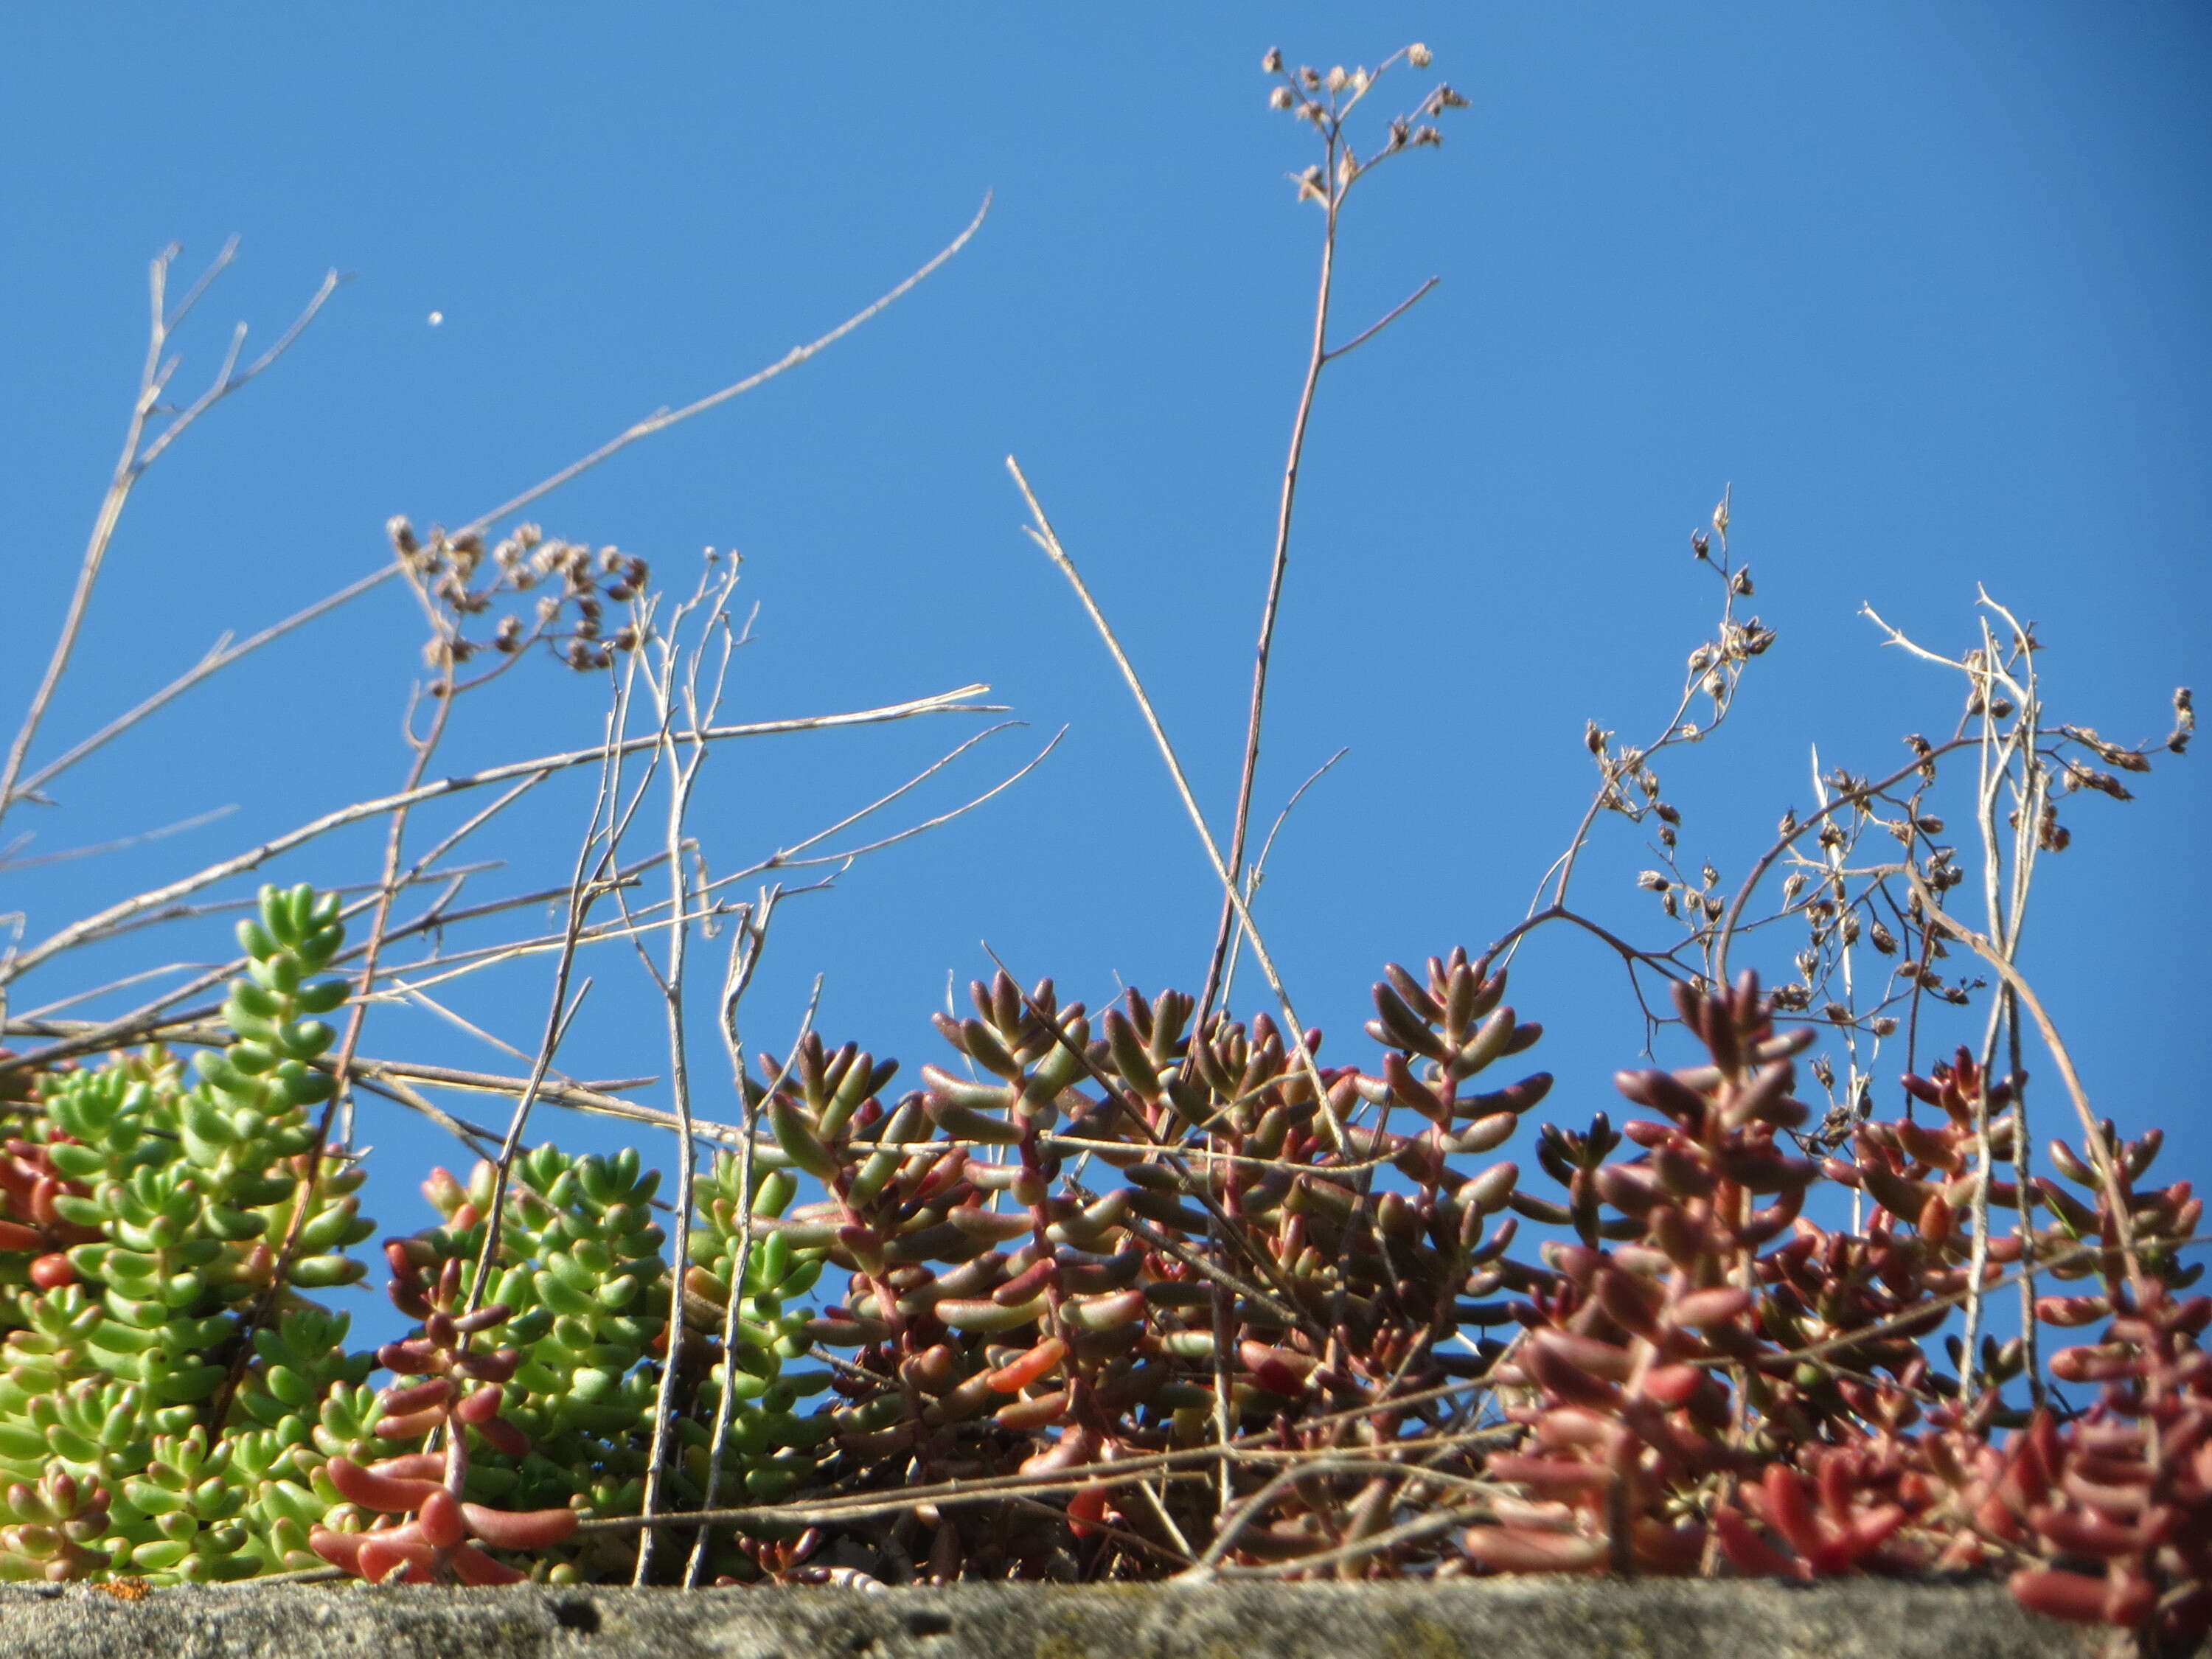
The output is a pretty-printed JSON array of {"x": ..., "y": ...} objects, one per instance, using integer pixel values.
[{"x": 1328, "y": 101}]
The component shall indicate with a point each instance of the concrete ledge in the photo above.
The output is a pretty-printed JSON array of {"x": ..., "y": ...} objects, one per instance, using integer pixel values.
[{"x": 1510, "y": 1618}]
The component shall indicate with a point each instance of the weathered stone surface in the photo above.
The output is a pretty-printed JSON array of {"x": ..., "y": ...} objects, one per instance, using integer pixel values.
[{"x": 1524, "y": 1618}]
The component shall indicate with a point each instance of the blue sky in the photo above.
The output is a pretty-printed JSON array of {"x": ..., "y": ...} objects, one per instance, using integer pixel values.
[{"x": 1926, "y": 284}]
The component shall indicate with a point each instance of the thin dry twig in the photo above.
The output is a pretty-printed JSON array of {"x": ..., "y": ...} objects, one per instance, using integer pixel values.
[
  {"x": 946, "y": 702},
  {"x": 681, "y": 772},
  {"x": 662, "y": 420},
  {"x": 137, "y": 455},
  {"x": 1043, "y": 534}
]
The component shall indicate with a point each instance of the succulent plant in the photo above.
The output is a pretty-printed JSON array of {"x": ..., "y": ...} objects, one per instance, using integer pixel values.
[
  {"x": 147, "y": 1220},
  {"x": 1090, "y": 1246}
]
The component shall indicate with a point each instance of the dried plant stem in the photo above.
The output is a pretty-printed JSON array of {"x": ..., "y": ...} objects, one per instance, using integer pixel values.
[
  {"x": 1258, "y": 872},
  {"x": 154, "y": 1019},
  {"x": 749, "y": 939},
  {"x": 1993, "y": 754},
  {"x": 1734, "y": 920},
  {"x": 946, "y": 702},
  {"x": 662, "y": 419},
  {"x": 137, "y": 455},
  {"x": 1279, "y": 564},
  {"x": 121, "y": 844},
  {"x": 220, "y": 656},
  {"x": 1339, "y": 172},
  {"x": 1049, "y": 1483},
  {"x": 2099, "y": 1151},
  {"x": 681, "y": 770},
  {"x": 366, "y": 1069},
  {"x": 597, "y": 850},
  {"x": 1043, "y": 534},
  {"x": 387, "y": 893}
]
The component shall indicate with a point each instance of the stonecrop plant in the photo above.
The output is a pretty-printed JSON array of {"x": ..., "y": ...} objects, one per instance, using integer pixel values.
[{"x": 1141, "y": 1292}]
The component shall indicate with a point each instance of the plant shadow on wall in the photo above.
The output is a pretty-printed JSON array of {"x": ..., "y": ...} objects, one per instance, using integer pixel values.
[{"x": 1155, "y": 1292}]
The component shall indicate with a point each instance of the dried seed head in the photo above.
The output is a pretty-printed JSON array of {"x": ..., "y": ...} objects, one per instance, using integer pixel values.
[
  {"x": 1419, "y": 56},
  {"x": 2051, "y": 835},
  {"x": 1273, "y": 62},
  {"x": 1280, "y": 99},
  {"x": 1701, "y": 544},
  {"x": 402, "y": 533},
  {"x": 1338, "y": 80},
  {"x": 1882, "y": 1026}
]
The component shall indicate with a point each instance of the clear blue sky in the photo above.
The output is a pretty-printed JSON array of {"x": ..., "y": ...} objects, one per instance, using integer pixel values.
[{"x": 1927, "y": 283}]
